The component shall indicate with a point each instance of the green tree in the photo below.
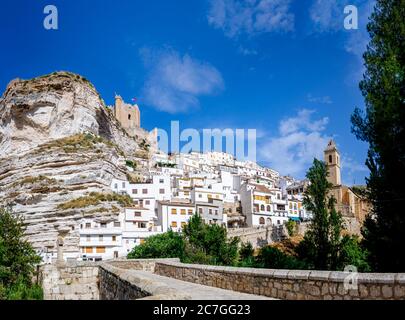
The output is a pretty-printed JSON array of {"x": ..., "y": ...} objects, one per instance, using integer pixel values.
[
  {"x": 320, "y": 247},
  {"x": 270, "y": 257},
  {"x": 18, "y": 259},
  {"x": 246, "y": 255},
  {"x": 383, "y": 127},
  {"x": 211, "y": 240},
  {"x": 166, "y": 245}
]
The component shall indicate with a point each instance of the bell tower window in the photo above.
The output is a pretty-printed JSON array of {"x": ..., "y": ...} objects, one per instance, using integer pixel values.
[
  {"x": 129, "y": 117},
  {"x": 330, "y": 158}
]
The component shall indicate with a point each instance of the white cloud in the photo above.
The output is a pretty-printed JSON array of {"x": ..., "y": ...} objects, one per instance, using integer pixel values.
[
  {"x": 320, "y": 100},
  {"x": 235, "y": 17},
  {"x": 349, "y": 169},
  {"x": 300, "y": 140},
  {"x": 302, "y": 121},
  {"x": 175, "y": 82},
  {"x": 327, "y": 15},
  {"x": 247, "y": 52}
]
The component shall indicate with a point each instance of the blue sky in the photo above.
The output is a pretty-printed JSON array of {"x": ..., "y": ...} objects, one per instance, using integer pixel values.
[{"x": 286, "y": 68}]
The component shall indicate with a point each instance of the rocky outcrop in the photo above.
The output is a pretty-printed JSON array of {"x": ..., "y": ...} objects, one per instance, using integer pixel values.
[
  {"x": 60, "y": 147},
  {"x": 59, "y": 105}
]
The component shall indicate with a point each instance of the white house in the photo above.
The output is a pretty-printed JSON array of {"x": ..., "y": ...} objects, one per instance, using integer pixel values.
[
  {"x": 263, "y": 206},
  {"x": 174, "y": 214}
]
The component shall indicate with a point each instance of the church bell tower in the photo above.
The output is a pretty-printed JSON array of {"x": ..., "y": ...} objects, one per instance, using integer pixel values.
[{"x": 332, "y": 160}]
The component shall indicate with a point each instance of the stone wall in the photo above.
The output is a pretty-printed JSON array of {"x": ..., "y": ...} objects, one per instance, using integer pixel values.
[
  {"x": 126, "y": 280},
  {"x": 259, "y": 236},
  {"x": 289, "y": 284},
  {"x": 70, "y": 281}
]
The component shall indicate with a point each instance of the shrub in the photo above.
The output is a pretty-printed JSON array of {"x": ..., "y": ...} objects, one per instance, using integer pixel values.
[
  {"x": 270, "y": 257},
  {"x": 352, "y": 253},
  {"x": 131, "y": 164},
  {"x": 291, "y": 227},
  {"x": 95, "y": 198},
  {"x": 166, "y": 245}
]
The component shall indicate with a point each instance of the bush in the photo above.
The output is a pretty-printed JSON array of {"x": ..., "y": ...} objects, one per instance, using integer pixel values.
[
  {"x": 166, "y": 245},
  {"x": 352, "y": 253},
  {"x": 291, "y": 227},
  {"x": 131, "y": 164},
  {"x": 246, "y": 256},
  {"x": 95, "y": 198},
  {"x": 199, "y": 243},
  {"x": 22, "y": 291},
  {"x": 273, "y": 258}
]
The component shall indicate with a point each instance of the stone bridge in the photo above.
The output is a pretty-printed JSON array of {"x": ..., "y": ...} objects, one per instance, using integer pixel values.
[{"x": 168, "y": 279}]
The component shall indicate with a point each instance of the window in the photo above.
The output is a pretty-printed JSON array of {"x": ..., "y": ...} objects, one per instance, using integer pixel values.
[
  {"x": 190, "y": 211},
  {"x": 330, "y": 158},
  {"x": 137, "y": 214},
  {"x": 261, "y": 220},
  {"x": 129, "y": 117},
  {"x": 161, "y": 181},
  {"x": 141, "y": 241},
  {"x": 262, "y": 207},
  {"x": 89, "y": 250},
  {"x": 183, "y": 211},
  {"x": 100, "y": 249},
  {"x": 134, "y": 191},
  {"x": 88, "y": 225},
  {"x": 100, "y": 238},
  {"x": 117, "y": 224},
  {"x": 200, "y": 195},
  {"x": 116, "y": 186},
  {"x": 210, "y": 211},
  {"x": 268, "y": 208},
  {"x": 290, "y": 205},
  {"x": 136, "y": 202},
  {"x": 216, "y": 212},
  {"x": 174, "y": 211},
  {"x": 278, "y": 196},
  {"x": 200, "y": 210},
  {"x": 162, "y": 191},
  {"x": 268, "y": 221},
  {"x": 142, "y": 225},
  {"x": 174, "y": 224},
  {"x": 183, "y": 224},
  {"x": 88, "y": 238},
  {"x": 123, "y": 184},
  {"x": 114, "y": 238},
  {"x": 278, "y": 221},
  {"x": 145, "y": 191},
  {"x": 147, "y": 202},
  {"x": 103, "y": 225}
]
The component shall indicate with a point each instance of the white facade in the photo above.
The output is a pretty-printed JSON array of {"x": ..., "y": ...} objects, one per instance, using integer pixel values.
[{"x": 174, "y": 215}]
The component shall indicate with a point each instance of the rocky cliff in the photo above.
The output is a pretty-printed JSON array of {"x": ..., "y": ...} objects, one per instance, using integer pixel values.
[{"x": 60, "y": 147}]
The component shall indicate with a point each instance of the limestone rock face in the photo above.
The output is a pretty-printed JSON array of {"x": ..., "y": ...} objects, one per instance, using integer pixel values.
[
  {"x": 60, "y": 147},
  {"x": 33, "y": 112}
]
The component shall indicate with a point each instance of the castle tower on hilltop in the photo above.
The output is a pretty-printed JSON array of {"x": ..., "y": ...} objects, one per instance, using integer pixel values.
[
  {"x": 128, "y": 115},
  {"x": 332, "y": 159}
]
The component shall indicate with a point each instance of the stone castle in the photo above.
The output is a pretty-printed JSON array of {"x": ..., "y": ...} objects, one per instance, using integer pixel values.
[{"x": 129, "y": 116}]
